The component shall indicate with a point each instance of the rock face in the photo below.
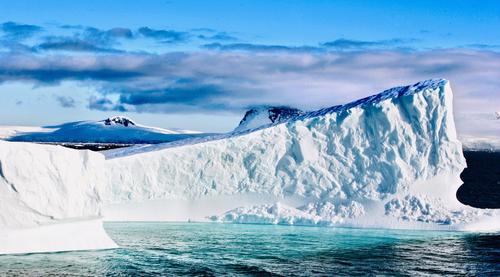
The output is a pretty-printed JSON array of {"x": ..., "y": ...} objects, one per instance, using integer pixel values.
[
  {"x": 119, "y": 120},
  {"x": 257, "y": 117}
]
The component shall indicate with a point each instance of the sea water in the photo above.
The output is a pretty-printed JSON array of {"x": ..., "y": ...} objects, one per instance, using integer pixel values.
[{"x": 211, "y": 249}]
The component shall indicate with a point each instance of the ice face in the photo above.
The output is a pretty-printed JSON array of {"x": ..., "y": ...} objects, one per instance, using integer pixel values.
[{"x": 49, "y": 199}]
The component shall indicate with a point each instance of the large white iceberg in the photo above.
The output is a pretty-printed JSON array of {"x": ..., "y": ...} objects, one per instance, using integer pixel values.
[{"x": 391, "y": 160}]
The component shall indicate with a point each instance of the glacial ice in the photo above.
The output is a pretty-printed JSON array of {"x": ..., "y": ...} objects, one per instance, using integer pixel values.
[{"x": 391, "y": 160}]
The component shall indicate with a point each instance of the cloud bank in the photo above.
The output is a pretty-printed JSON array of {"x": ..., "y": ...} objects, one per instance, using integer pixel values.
[{"x": 211, "y": 81}]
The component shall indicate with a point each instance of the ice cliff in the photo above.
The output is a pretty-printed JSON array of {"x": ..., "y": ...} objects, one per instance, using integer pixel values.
[
  {"x": 49, "y": 199},
  {"x": 390, "y": 160}
]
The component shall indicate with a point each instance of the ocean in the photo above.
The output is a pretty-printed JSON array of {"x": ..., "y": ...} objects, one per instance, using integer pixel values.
[{"x": 211, "y": 249}]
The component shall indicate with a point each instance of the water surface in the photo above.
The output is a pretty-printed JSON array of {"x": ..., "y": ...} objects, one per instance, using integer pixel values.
[{"x": 211, "y": 249}]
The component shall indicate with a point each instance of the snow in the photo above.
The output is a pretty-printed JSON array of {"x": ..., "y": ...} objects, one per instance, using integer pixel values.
[
  {"x": 116, "y": 129},
  {"x": 10, "y": 131},
  {"x": 356, "y": 165},
  {"x": 392, "y": 160}
]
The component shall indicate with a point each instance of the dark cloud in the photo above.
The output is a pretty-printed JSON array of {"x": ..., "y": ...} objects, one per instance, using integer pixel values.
[
  {"x": 186, "y": 93},
  {"x": 72, "y": 44},
  {"x": 349, "y": 44},
  {"x": 483, "y": 46},
  {"x": 204, "y": 30},
  {"x": 66, "y": 101},
  {"x": 220, "y": 36},
  {"x": 104, "y": 104},
  {"x": 15, "y": 30},
  {"x": 165, "y": 36},
  {"x": 260, "y": 47},
  {"x": 339, "y": 44},
  {"x": 88, "y": 40},
  {"x": 106, "y": 37}
]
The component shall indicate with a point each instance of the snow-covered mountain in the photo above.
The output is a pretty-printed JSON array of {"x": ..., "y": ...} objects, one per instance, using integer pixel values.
[
  {"x": 117, "y": 129},
  {"x": 391, "y": 160},
  {"x": 260, "y": 116}
]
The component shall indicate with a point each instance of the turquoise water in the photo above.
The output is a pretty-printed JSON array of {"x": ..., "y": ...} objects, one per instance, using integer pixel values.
[{"x": 224, "y": 249}]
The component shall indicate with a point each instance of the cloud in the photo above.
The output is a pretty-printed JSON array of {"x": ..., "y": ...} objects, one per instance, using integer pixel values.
[
  {"x": 164, "y": 36},
  {"x": 182, "y": 92},
  {"x": 72, "y": 44},
  {"x": 219, "y": 36},
  {"x": 483, "y": 46},
  {"x": 106, "y": 37},
  {"x": 260, "y": 47},
  {"x": 66, "y": 101},
  {"x": 17, "y": 31},
  {"x": 104, "y": 104},
  {"x": 213, "y": 81},
  {"x": 349, "y": 44},
  {"x": 90, "y": 39},
  {"x": 339, "y": 44}
]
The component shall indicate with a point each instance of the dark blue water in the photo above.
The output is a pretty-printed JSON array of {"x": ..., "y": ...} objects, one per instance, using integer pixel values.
[{"x": 223, "y": 249}]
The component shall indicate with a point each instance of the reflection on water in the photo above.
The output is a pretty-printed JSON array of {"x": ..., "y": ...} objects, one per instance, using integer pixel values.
[{"x": 218, "y": 249}]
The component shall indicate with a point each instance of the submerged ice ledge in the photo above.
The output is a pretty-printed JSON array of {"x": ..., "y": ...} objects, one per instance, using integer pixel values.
[{"x": 391, "y": 160}]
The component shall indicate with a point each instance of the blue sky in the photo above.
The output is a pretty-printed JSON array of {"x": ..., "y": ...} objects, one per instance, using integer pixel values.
[{"x": 200, "y": 64}]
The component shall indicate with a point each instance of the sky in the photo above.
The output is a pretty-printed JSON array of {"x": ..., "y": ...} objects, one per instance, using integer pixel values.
[{"x": 200, "y": 64}]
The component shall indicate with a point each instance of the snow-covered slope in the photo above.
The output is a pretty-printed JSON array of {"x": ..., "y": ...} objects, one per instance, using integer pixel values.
[
  {"x": 390, "y": 160},
  {"x": 116, "y": 129},
  {"x": 260, "y": 116},
  {"x": 42, "y": 187}
]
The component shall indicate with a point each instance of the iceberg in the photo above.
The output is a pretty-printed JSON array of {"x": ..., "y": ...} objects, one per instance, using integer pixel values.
[
  {"x": 49, "y": 199},
  {"x": 391, "y": 160}
]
